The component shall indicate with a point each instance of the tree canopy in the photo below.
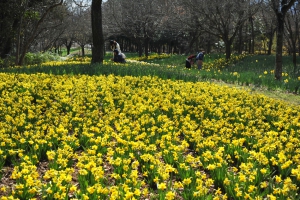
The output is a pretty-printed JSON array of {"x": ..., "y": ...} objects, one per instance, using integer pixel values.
[{"x": 169, "y": 26}]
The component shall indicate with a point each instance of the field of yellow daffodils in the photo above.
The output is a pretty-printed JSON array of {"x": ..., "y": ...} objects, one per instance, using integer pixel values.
[{"x": 112, "y": 137}]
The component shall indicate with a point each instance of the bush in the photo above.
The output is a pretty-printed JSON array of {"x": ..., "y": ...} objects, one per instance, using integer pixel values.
[
  {"x": 38, "y": 58},
  {"x": 7, "y": 62}
]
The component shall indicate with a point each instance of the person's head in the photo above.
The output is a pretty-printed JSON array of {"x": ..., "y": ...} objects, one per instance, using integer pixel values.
[{"x": 111, "y": 42}]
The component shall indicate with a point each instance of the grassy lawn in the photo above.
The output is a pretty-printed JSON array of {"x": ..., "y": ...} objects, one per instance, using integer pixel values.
[{"x": 252, "y": 68}]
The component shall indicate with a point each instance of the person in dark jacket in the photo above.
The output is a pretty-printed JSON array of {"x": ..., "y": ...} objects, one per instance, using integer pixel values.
[
  {"x": 118, "y": 57},
  {"x": 200, "y": 58}
]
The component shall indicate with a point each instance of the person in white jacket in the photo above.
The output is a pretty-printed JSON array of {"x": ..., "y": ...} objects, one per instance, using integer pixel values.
[{"x": 114, "y": 45}]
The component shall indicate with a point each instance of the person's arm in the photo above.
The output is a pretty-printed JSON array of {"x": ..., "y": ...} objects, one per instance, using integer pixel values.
[{"x": 112, "y": 48}]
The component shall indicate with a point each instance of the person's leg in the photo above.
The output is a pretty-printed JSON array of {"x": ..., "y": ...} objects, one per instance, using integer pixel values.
[{"x": 199, "y": 64}]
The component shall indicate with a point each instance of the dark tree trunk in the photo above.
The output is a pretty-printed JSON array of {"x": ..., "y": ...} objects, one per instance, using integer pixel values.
[
  {"x": 194, "y": 38},
  {"x": 240, "y": 40},
  {"x": 7, "y": 41},
  {"x": 280, "y": 14},
  {"x": 159, "y": 48},
  {"x": 298, "y": 44},
  {"x": 271, "y": 34},
  {"x": 140, "y": 48},
  {"x": 295, "y": 48},
  {"x": 68, "y": 46},
  {"x": 97, "y": 32},
  {"x": 229, "y": 41},
  {"x": 295, "y": 60},
  {"x": 227, "y": 49},
  {"x": 146, "y": 44},
  {"x": 293, "y": 33},
  {"x": 82, "y": 51},
  {"x": 6, "y": 48},
  {"x": 252, "y": 35},
  {"x": 279, "y": 44},
  {"x": 9, "y": 24}
]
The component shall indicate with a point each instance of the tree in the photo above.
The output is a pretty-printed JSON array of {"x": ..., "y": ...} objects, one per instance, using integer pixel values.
[
  {"x": 268, "y": 25},
  {"x": 280, "y": 8},
  {"x": 82, "y": 29},
  {"x": 97, "y": 32},
  {"x": 21, "y": 23},
  {"x": 34, "y": 18},
  {"x": 55, "y": 26},
  {"x": 137, "y": 20},
  {"x": 292, "y": 23},
  {"x": 25, "y": 24},
  {"x": 186, "y": 22},
  {"x": 223, "y": 19},
  {"x": 10, "y": 12},
  {"x": 71, "y": 22}
]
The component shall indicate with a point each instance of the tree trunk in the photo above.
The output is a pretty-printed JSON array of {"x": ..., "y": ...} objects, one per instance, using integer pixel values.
[
  {"x": 279, "y": 44},
  {"x": 292, "y": 27},
  {"x": 296, "y": 36},
  {"x": 252, "y": 36},
  {"x": 280, "y": 14},
  {"x": 18, "y": 45},
  {"x": 294, "y": 58},
  {"x": 240, "y": 40},
  {"x": 271, "y": 35},
  {"x": 298, "y": 45},
  {"x": 227, "y": 49},
  {"x": 9, "y": 24},
  {"x": 97, "y": 32},
  {"x": 140, "y": 48},
  {"x": 146, "y": 44},
  {"x": 68, "y": 46},
  {"x": 194, "y": 37},
  {"x": 82, "y": 50}
]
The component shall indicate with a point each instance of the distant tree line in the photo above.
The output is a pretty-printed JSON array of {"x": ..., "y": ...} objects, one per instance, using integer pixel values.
[{"x": 144, "y": 26}]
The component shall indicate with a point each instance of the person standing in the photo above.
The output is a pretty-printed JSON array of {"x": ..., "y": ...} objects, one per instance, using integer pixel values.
[
  {"x": 190, "y": 61},
  {"x": 200, "y": 58}
]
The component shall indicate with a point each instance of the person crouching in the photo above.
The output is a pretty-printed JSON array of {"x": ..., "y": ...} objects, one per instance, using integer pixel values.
[
  {"x": 118, "y": 57},
  {"x": 190, "y": 61}
]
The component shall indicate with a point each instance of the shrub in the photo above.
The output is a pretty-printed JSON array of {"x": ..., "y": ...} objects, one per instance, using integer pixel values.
[
  {"x": 7, "y": 62},
  {"x": 38, "y": 58}
]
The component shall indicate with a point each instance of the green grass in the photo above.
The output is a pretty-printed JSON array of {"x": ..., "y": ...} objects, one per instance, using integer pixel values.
[
  {"x": 75, "y": 51},
  {"x": 179, "y": 60},
  {"x": 253, "y": 71}
]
